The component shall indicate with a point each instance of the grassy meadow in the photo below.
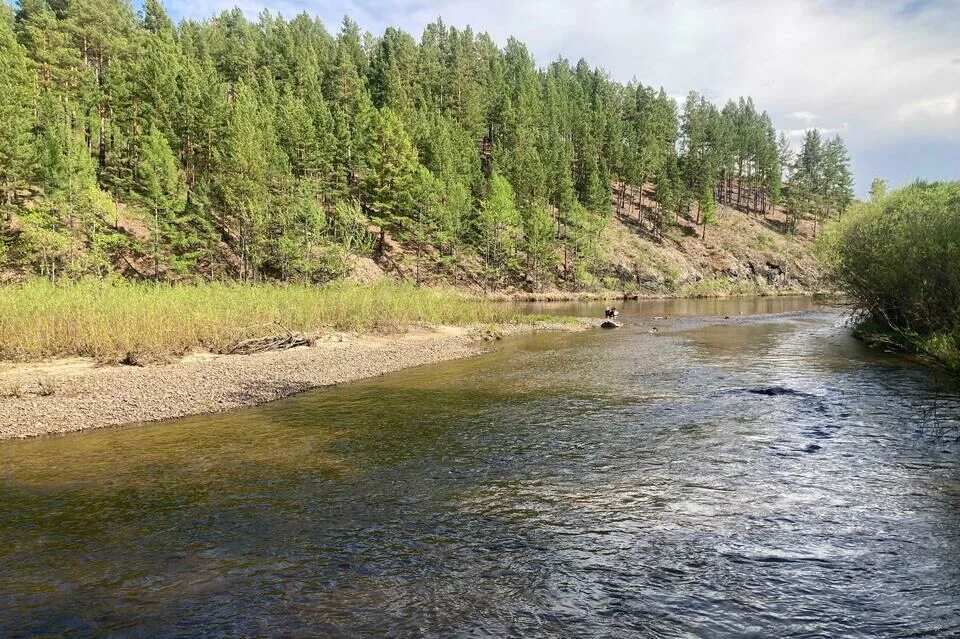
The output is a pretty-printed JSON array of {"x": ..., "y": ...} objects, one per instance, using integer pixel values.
[{"x": 114, "y": 320}]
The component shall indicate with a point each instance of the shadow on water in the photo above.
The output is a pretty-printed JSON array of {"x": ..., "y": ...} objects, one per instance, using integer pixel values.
[{"x": 759, "y": 477}]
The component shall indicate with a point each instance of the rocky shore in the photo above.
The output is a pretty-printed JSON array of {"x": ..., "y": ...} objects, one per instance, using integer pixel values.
[{"x": 64, "y": 396}]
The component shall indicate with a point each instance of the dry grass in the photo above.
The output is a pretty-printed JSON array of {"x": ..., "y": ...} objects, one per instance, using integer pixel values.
[{"x": 114, "y": 321}]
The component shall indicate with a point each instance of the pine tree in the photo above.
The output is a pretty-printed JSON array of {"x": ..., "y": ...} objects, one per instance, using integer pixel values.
[
  {"x": 700, "y": 160},
  {"x": 391, "y": 176},
  {"x": 17, "y": 95},
  {"x": 498, "y": 227},
  {"x": 143, "y": 96},
  {"x": 163, "y": 190},
  {"x": 785, "y": 155},
  {"x": 298, "y": 223},
  {"x": 538, "y": 242},
  {"x": 807, "y": 182},
  {"x": 838, "y": 187},
  {"x": 352, "y": 117},
  {"x": 245, "y": 159},
  {"x": 48, "y": 43},
  {"x": 298, "y": 136},
  {"x": 708, "y": 209},
  {"x": 453, "y": 218},
  {"x": 277, "y": 132}
]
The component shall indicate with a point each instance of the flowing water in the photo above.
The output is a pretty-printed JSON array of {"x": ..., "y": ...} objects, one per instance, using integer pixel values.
[{"x": 753, "y": 476}]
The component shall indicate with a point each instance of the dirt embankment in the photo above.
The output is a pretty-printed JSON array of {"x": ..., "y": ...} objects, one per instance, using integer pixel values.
[
  {"x": 744, "y": 250},
  {"x": 71, "y": 395}
]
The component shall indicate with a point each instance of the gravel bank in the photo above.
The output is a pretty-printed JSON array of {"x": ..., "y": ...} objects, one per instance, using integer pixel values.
[{"x": 88, "y": 396}]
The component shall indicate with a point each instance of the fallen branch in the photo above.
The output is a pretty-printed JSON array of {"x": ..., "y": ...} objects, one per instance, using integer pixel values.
[{"x": 283, "y": 341}]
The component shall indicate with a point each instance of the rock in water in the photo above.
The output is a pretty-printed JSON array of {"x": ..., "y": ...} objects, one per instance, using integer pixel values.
[
  {"x": 610, "y": 324},
  {"x": 773, "y": 391}
]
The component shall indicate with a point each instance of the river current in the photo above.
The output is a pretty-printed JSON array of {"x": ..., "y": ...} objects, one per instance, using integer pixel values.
[{"x": 738, "y": 468}]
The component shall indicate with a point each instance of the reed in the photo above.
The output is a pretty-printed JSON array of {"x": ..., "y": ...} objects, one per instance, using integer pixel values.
[{"x": 118, "y": 320}]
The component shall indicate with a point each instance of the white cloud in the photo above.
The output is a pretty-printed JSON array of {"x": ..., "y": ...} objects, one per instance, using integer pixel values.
[
  {"x": 803, "y": 116},
  {"x": 942, "y": 107},
  {"x": 796, "y": 135}
]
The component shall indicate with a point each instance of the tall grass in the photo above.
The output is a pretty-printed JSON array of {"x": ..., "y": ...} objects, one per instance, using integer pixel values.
[
  {"x": 109, "y": 320},
  {"x": 899, "y": 260}
]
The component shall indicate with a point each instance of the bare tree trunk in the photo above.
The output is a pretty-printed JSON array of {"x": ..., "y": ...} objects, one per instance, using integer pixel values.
[{"x": 156, "y": 244}]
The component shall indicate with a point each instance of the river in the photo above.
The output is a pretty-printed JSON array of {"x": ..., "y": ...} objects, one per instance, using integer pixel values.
[{"x": 712, "y": 474}]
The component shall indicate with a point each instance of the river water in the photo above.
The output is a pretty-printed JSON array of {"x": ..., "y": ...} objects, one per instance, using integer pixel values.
[{"x": 756, "y": 476}]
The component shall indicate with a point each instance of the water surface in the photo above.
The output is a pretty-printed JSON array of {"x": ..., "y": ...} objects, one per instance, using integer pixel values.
[{"x": 756, "y": 476}]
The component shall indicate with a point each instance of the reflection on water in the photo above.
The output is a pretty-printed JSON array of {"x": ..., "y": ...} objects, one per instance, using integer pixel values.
[
  {"x": 684, "y": 307},
  {"x": 610, "y": 483}
]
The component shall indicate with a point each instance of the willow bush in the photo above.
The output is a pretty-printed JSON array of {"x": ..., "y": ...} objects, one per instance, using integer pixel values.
[{"x": 898, "y": 258}]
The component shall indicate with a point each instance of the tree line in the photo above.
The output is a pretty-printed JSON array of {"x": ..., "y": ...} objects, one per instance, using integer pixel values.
[{"x": 274, "y": 149}]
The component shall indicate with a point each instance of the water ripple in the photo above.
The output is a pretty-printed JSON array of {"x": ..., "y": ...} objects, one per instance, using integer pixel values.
[{"x": 756, "y": 478}]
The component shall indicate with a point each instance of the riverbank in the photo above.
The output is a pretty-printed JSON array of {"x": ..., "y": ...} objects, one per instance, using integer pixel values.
[{"x": 61, "y": 396}]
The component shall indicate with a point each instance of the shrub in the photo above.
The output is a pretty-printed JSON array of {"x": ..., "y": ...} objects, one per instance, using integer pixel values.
[{"x": 898, "y": 258}]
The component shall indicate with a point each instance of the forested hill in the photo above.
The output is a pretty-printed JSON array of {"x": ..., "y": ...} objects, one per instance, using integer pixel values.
[{"x": 279, "y": 150}]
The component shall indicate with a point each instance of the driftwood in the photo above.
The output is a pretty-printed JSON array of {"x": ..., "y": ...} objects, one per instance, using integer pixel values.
[{"x": 275, "y": 342}]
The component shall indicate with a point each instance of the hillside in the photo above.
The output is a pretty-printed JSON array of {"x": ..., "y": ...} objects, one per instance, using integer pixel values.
[
  {"x": 277, "y": 151},
  {"x": 740, "y": 253}
]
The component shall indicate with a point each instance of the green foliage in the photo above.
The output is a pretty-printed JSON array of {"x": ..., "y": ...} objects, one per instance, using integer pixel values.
[
  {"x": 248, "y": 161},
  {"x": 898, "y": 257},
  {"x": 266, "y": 149},
  {"x": 821, "y": 185},
  {"x": 498, "y": 226},
  {"x": 348, "y": 227},
  {"x": 878, "y": 190},
  {"x": 708, "y": 209},
  {"x": 163, "y": 185},
  {"x": 392, "y": 174},
  {"x": 16, "y": 97},
  {"x": 538, "y": 243}
]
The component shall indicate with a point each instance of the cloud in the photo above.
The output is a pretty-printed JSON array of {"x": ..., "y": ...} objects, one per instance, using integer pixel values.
[
  {"x": 795, "y": 135},
  {"x": 803, "y": 116},
  {"x": 877, "y": 71},
  {"x": 943, "y": 107}
]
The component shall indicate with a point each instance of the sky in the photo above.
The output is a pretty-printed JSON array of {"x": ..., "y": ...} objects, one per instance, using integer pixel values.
[{"x": 883, "y": 74}]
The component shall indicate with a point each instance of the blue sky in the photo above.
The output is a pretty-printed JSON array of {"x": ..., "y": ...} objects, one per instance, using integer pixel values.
[{"x": 884, "y": 74}]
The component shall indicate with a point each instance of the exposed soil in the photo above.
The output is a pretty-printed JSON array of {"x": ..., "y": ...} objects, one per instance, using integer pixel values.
[{"x": 739, "y": 247}]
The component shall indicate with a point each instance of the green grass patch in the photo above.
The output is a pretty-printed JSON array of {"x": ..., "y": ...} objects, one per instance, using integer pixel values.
[
  {"x": 114, "y": 320},
  {"x": 766, "y": 241},
  {"x": 721, "y": 287}
]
